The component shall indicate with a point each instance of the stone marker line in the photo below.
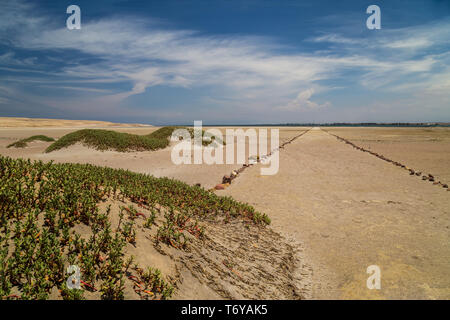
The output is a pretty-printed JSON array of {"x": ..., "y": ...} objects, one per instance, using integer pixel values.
[
  {"x": 227, "y": 179},
  {"x": 412, "y": 172}
]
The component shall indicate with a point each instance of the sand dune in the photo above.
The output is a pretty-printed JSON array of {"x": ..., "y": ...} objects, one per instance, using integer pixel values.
[{"x": 11, "y": 122}]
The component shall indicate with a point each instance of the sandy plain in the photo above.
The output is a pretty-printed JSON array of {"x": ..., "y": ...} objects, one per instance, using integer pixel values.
[
  {"x": 351, "y": 210},
  {"x": 335, "y": 210},
  {"x": 17, "y": 122}
]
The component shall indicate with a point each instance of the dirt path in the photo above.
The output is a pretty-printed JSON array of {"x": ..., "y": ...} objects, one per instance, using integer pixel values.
[{"x": 349, "y": 210}]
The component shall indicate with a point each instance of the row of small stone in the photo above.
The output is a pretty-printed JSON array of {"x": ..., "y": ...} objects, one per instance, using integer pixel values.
[
  {"x": 227, "y": 179},
  {"x": 425, "y": 177}
]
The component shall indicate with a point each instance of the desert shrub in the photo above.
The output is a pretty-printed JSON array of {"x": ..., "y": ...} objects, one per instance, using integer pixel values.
[
  {"x": 23, "y": 142},
  {"x": 109, "y": 140},
  {"x": 163, "y": 133},
  {"x": 42, "y": 203},
  {"x": 112, "y": 140}
]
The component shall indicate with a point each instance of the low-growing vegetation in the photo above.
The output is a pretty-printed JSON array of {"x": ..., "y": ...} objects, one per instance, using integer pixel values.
[
  {"x": 112, "y": 140},
  {"x": 24, "y": 142},
  {"x": 44, "y": 205}
]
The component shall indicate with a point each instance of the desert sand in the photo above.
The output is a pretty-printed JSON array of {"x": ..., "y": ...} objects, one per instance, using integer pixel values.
[
  {"x": 351, "y": 210},
  {"x": 335, "y": 211},
  {"x": 425, "y": 149},
  {"x": 16, "y": 122}
]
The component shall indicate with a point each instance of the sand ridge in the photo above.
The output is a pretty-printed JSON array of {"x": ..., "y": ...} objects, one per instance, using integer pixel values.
[{"x": 13, "y": 122}]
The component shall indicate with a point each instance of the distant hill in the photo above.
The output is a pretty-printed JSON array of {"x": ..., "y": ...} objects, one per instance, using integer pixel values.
[{"x": 11, "y": 122}]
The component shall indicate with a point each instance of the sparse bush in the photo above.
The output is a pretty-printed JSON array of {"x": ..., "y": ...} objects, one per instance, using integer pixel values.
[
  {"x": 109, "y": 140},
  {"x": 24, "y": 142},
  {"x": 118, "y": 141},
  {"x": 42, "y": 203}
]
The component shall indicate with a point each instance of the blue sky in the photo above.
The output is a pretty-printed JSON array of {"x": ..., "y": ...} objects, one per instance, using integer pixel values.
[{"x": 226, "y": 62}]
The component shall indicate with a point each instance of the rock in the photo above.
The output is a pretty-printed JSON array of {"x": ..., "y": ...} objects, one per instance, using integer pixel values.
[
  {"x": 226, "y": 179},
  {"x": 219, "y": 187},
  {"x": 198, "y": 185}
]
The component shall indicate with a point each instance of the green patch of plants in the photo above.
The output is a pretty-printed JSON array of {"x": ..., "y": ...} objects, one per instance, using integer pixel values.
[
  {"x": 150, "y": 281},
  {"x": 41, "y": 204},
  {"x": 109, "y": 140},
  {"x": 112, "y": 140},
  {"x": 150, "y": 220},
  {"x": 164, "y": 132},
  {"x": 24, "y": 142}
]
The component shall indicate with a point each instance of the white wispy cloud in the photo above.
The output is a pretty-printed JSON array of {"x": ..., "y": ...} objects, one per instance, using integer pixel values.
[
  {"x": 249, "y": 71},
  {"x": 410, "y": 43},
  {"x": 303, "y": 102},
  {"x": 9, "y": 59}
]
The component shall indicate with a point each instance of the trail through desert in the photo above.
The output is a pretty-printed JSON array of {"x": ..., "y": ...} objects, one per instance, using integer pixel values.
[{"x": 351, "y": 210}]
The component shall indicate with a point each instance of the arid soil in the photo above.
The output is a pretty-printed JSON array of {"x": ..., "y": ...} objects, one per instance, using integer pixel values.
[
  {"x": 241, "y": 261},
  {"x": 424, "y": 149},
  {"x": 350, "y": 210},
  {"x": 235, "y": 260},
  {"x": 335, "y": 211}
]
